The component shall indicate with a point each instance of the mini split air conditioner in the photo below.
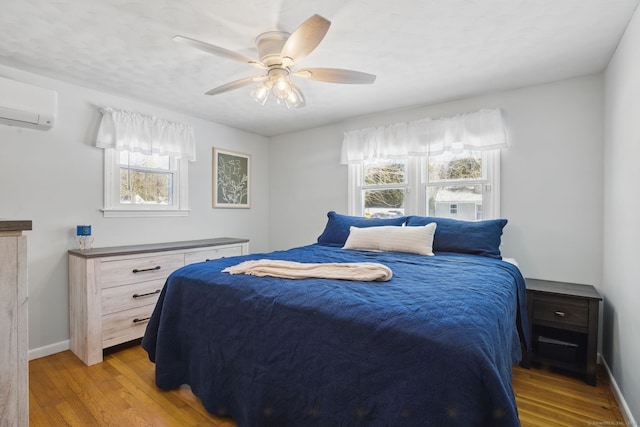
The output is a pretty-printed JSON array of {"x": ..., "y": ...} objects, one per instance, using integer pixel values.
[{"x": 28, "y": 106}]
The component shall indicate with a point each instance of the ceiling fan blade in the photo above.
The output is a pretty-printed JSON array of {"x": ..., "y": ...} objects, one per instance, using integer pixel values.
[
  {"x": 237, "y": 84},
  {"x": 305, "y": 39},
  {"x": 220, "y": 51},
  {"x": 335, "y": 75}
]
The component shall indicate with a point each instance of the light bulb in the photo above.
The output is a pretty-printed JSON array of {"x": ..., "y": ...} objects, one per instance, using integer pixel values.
[
  {"x": 261, "y": 93},
  {"x": 295, "y": 98},
  {"x": 281, "y": 88}
]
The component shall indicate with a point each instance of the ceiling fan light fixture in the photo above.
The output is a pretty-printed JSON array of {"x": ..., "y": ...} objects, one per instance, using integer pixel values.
[
  {"x": 279, "y": 54},
  {"x": 281, "y": 87}
]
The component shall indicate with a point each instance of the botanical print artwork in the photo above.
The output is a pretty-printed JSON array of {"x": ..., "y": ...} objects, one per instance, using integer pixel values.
[{"x": 231, "y": 179}]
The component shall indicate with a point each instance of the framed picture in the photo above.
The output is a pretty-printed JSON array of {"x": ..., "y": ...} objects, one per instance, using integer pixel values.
[{"x": 231, "y": 179}]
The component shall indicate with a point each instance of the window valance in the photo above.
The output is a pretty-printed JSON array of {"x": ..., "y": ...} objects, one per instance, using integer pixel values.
[
  {"x": 145, "y": 134},
  {"x": 481, "y": 130}
]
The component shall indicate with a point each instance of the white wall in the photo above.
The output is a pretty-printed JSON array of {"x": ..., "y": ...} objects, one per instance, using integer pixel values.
[
  {"x": 55, "y": 179},
  {"x": 621, "y": 287},
  {"x": 551, "y": 176}
]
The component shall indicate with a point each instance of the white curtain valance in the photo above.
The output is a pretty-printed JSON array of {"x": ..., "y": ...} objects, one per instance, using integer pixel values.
[
  {"x": 132, "y": 131},
  {"x": 481, "y": 130}
]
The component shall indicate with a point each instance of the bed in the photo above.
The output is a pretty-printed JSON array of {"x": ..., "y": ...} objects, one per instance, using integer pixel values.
[{"x": 432, "y": 346}]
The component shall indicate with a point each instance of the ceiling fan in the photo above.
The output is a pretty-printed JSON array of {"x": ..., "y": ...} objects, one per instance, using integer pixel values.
[{"x": 279, "y": 53}]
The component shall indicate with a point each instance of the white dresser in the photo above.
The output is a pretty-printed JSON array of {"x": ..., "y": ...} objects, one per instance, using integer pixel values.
[
  {"x": 113, "y": 291},
  {"x": 14, "y": 338}
]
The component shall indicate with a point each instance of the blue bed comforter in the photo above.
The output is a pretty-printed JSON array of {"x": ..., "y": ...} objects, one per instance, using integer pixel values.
[{"x": 434, "y": 346}]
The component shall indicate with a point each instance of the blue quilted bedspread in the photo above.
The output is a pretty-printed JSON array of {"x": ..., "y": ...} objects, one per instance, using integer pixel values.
[{"x": 434, "y": 346}]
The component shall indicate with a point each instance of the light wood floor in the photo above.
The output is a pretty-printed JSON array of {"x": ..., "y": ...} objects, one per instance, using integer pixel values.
[{"x": 121, "y": 392}]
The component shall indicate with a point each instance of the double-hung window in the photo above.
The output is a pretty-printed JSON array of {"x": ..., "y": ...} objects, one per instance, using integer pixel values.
[
  {"x": 447, "y": 167},
  {"x": 139, "y": 184},
  {"x": 146, "y": 162},
  {"x": 462, "y": 185},
  {"x": 384, "y": 188}
]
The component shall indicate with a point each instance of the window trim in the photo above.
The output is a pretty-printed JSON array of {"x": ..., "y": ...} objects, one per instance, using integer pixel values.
[{"x": 112, "y": 209}]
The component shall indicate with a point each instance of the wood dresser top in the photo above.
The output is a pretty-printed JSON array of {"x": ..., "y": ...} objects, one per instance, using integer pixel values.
[
  {"x": 14, "y": 225},
  {"x": 155, "y": 247}
]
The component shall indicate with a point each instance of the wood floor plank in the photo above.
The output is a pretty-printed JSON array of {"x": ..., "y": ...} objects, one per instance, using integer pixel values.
[
  {"x": 121, "y": 391},
  {"x": 551, "y": 398}
]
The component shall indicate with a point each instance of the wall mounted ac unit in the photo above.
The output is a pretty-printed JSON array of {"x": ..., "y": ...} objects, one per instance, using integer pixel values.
[{"x": 28, "y": 106}]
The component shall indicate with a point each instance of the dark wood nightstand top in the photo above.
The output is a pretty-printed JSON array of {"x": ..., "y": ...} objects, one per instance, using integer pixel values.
[{"x": 563, "y": 288}]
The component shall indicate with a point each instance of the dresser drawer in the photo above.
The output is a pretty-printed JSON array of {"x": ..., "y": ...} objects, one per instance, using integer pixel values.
[
  {"x": 140, "y": 269},
  {"x": 125, "y": 325},
  {"x": 125, "y": 297},
  {"x": 560, "y": 311},
  {"x": 209, "y": 254}
]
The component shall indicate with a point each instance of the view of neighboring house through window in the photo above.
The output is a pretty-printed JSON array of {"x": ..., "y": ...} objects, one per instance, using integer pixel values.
[{"x": 455, "y": 185}]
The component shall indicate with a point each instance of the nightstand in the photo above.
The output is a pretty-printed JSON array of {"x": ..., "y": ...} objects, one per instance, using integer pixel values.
[{"x": 563, "y": 321}]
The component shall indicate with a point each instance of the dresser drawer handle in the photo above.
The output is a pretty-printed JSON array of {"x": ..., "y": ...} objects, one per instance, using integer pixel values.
[
  {"x": 146, "y": 319},
  {"x": 157, "y": 291},
  {"x": 135, "y": 270},
  {"x": 559, "y": 313}
]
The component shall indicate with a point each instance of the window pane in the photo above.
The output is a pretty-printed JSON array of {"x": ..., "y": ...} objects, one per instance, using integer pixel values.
[
  {"x": 385, "y": 172},
  {"x": 384, "y": 203},
  {"x": 143, "y": 160},
  {"x": 455, "y": 166},
  {"x": 460, "y": 202},
  {"x": 141, "y": 187}
]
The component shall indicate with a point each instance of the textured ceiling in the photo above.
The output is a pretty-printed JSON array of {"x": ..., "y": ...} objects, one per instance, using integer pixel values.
[{"x": 422, "y": 51}]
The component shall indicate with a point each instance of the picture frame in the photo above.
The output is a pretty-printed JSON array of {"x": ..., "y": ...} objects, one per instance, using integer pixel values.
[{"x": 231, "y": 179}]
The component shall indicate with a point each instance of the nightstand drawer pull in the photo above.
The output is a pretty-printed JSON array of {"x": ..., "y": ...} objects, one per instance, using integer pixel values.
[
  {"x": 146, "y": 319},
  {"x": 148, "y": 294},
  {"x": 559, "y": 313},
  {"x": 135, "y": 270}
]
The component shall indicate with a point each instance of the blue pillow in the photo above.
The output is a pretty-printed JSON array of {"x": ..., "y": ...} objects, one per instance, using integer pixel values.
[
  {"x": 467, "y": 237},
  {"x": 337, "y": 229}
]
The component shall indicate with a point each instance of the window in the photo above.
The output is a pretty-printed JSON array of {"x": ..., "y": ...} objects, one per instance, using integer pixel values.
[
  {"x": 137, "y": 184},
  {"x": 146, "y": 180},
  {"x": 149, "y": 184},
  {"x": 384, "y": 188},
  {"x": 462, "y": 185}
]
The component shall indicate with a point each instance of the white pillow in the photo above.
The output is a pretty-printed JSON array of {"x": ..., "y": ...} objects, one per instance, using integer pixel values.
[{"x": 414, "y": 240}]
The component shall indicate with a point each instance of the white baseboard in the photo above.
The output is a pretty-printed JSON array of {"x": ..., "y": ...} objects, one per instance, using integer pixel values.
[
  {"x": 617, "y": 393},
  {"x": 48, "y": 350}
]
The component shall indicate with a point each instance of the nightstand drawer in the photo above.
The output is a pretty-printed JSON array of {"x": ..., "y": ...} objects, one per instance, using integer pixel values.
[{"x": 561, "y": 311}]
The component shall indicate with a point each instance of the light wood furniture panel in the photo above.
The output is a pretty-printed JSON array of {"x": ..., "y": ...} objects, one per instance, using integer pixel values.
[
  {"x": 14, "y": 339},
  {"x": 113, "y": 291}
]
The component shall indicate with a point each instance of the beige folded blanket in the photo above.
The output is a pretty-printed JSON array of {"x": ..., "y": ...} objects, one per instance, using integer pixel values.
[{"x": 359, "y": 271}]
